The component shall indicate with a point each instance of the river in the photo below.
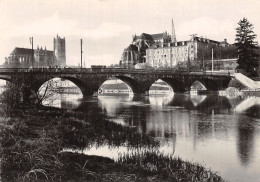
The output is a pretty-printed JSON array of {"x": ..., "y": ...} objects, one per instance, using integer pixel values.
[{"x": 219, "y": 132}]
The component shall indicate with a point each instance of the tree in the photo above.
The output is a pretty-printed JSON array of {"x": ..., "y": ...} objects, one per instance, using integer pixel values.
[
  {"x": 20, "y": 92},
  {"x": 246, "y": 46},
  {"x": 46, "y": 92}
]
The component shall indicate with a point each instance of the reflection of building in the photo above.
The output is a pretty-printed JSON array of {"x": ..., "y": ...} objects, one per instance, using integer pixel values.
[{"x": 22, "y": 57}]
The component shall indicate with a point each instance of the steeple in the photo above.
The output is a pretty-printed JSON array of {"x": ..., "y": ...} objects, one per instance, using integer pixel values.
[{"x": 173, "y": 33}]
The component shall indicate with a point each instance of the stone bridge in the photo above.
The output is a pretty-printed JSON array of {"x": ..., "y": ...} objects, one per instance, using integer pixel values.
[{"x": 140, "y": 81}]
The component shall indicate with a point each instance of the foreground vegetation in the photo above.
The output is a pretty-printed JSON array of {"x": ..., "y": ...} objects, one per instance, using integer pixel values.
[{"x": 32, "y": 143}]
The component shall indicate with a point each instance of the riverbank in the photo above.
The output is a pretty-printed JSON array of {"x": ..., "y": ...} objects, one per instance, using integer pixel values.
[{"x": 33, "y": 140}]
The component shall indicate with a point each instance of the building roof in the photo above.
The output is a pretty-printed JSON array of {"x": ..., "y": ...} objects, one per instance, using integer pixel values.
[
  {"x": 154, "y": 46},
  {"x": 131, "y": 47},
  {"x": 157, "y": 36},
  {"x": 146, "y": 36},
  {"x": 205, "y": 40},
  {"x": 24, "y": 51},
  {"x": 18, "y": 50},
  {"x": 151, "y": 37}
]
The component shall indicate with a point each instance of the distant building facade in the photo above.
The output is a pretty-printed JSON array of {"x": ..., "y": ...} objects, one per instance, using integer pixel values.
[
  {"x": 164, "y": 51},
  {"x": 136, "y": 52},
  {"x": 25, "y": 58},
  {"x": 167, "y": 55}
]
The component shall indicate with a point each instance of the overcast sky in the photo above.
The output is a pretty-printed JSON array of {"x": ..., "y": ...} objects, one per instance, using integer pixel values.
[{"x": 107, "y": 26}]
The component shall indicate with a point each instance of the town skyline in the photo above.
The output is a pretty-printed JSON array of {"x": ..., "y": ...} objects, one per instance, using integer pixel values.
[{"x": 106, "y": 27}]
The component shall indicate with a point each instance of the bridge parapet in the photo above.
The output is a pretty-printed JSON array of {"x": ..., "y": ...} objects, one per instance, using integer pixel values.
[
  {"x": 108, "y": 70},
  {"x": 89, "y": 80}
]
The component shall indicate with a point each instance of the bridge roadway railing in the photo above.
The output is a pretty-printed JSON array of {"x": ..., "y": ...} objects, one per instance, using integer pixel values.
[{"x": 108, "y": 70}]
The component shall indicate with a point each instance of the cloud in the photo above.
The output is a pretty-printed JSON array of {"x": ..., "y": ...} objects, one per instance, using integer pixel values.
[
  {"x": 104, "y": 59},
  {"x": 106, "y": 26},
  {"x": 101, "y": 59},
  {"x": 106, "y": 30},
  {"x": 208, "y": 27},
  {"x": 68, "y": 27},
  {"x": 46, "y": 26}
]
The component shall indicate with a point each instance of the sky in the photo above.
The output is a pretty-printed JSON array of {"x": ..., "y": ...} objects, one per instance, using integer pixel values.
[{"x": 107, "y": 26}]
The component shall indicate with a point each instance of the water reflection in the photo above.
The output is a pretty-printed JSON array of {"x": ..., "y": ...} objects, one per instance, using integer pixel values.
[
  {"x": 204, "y": 128},
  {"x": 217, "y": 131},
  {"x": 197, "y": 99},
  {"x": 245, "y": 140},
  {"x": 158, "y": 101},
  {"x": 247, "y": 103},
  {"x": 110, "y": 104},
  {"x": 65, "y": 101}
]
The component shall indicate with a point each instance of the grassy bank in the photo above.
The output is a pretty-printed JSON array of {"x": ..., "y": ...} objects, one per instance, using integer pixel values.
[{"x": 32, "y": 141}]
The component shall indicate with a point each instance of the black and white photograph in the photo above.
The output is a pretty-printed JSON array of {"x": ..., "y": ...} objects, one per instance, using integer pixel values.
[{"x": 130, "y": 90}]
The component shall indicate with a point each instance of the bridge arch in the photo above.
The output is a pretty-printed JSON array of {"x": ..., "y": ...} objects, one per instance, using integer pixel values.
[
  {"x": 52, "y": 88},
  {"x": 174, "y": 83},
  {"x": 89, "y": 86},
  {"x": 210, "y": 84},
  {"x": 133, "y": 84},
  {"x": 80, "y": 84},
  {"x": 160, "y": 87},
  {"x": 6, "y": 78},
  {"x": 197, "y": 85},
  {"x": 115, "y": 85},
  {"x": 3, "y": 84},
  {"x": 40, "y": 81}
]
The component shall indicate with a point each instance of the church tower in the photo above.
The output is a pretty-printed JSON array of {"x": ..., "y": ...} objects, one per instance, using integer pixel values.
[
  {"x": 59, "y": 51},
  {"x": 173, "y": 33}
]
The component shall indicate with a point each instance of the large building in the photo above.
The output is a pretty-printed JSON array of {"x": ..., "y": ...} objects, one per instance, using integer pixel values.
[
  {"x": 59, "y": 50},
  {"x": 25, "y": 58},
  {"x": 136, "y": 52},
  {"x": 164, "y": 51},
  {"x": 167, "y": 55}
]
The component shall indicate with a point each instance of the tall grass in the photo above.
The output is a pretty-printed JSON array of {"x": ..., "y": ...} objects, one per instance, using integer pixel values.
[
  {"x": 31, "y": 145},
  {"x": 167, "y": 167}
]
